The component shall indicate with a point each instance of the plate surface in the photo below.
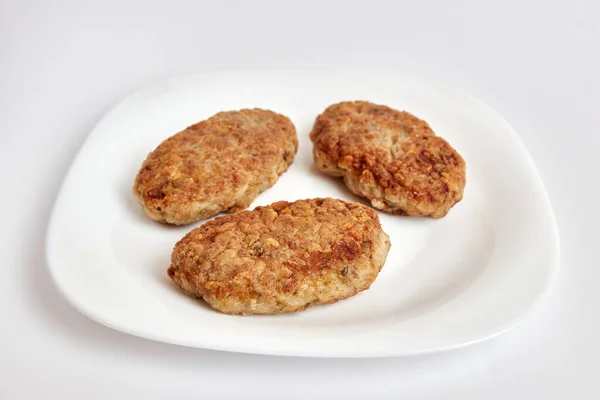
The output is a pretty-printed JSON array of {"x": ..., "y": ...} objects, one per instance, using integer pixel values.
[{"x": 446, "y": 283}]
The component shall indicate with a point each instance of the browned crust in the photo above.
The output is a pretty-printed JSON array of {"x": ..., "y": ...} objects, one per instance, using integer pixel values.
[
  {"x": 282, "y": 258},
  {"x": 390, "y": 157},
  {"x": 219, "y": 164}
]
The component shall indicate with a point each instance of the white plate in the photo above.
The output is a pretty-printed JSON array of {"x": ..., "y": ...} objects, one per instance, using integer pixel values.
[{"x": 446, "y": 283}]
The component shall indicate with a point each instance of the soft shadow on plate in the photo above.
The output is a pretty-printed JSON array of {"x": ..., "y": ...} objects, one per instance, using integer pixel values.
[{"x": 340, "y": 187}]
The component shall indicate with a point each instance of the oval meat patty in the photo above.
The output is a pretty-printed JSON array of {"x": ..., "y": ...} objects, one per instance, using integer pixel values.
[
  {"x": 281, "y": 258},
  {"x": 219, "y": 164},
  {"x": 391, "y": 157}
]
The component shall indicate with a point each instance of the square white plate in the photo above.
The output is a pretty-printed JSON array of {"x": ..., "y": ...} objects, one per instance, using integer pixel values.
[{"x": 446, "y": 283}]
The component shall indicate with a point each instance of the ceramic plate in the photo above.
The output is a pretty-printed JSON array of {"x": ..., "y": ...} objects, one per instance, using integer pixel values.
[{"x": 446, "y": 283}]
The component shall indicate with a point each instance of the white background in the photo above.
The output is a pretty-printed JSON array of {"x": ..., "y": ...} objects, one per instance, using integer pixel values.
[{"x": 64, "y": 64}]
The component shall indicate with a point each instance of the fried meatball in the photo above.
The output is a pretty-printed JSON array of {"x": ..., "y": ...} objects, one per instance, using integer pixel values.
[
  {"x": 390, "y": 157},
  {"x": 219, "y": 164},
  {"x": 281, "y": 258}
]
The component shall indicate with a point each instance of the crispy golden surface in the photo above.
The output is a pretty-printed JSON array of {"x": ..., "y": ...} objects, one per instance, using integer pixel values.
[
  {"x": 219, "y": 164},
  {"x": 391, "y": 157},
  {"x": 281, "y": 258}
]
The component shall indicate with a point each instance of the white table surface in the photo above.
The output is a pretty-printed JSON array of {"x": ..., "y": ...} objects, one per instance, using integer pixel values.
[{"x": 64, "y": 64}]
